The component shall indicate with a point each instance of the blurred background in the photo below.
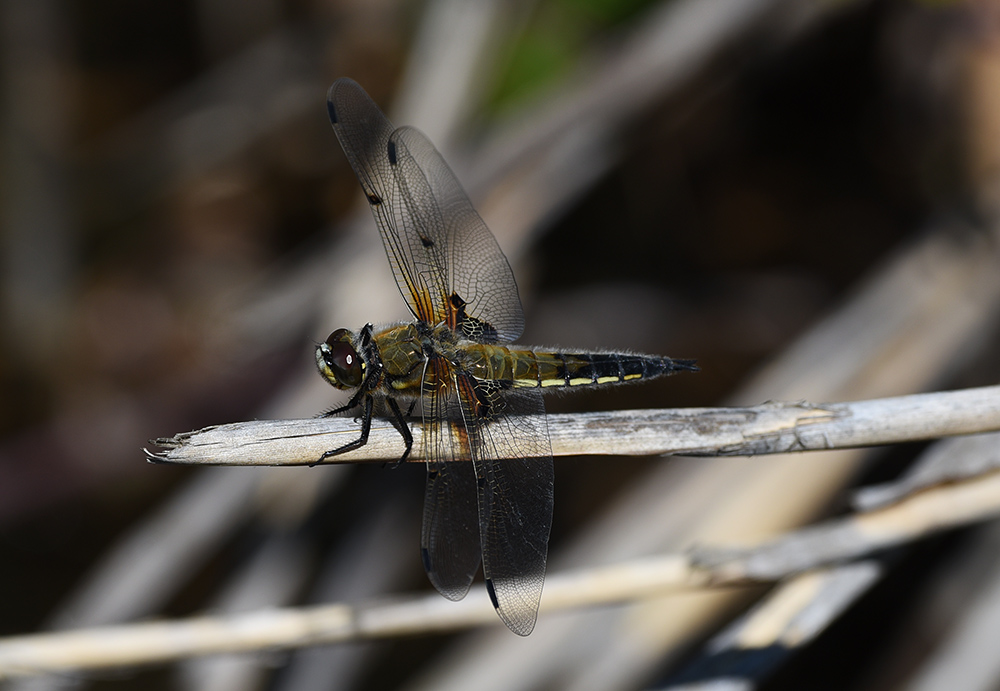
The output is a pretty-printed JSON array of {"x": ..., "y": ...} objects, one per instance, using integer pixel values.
[{"x": 800, "y": 194}]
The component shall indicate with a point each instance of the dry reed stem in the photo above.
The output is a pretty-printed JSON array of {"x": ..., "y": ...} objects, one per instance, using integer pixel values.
[{"x": 765, "y": 429}]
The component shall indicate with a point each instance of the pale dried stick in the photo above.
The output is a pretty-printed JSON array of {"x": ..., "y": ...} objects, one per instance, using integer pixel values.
[{"x": 764, "y": 429}]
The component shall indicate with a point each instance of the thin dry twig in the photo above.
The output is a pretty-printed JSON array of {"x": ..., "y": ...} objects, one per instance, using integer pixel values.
[
  {"x": 928, "y": 511},
  {"x": 764, "y": 429},
  {"x": 800, "y": 608},
  {"x": 947, "y": 461},
  {"x": 925, "y": 512},
  {"x": 274, "y": 628},
  {"x": 784, "y": 621}
]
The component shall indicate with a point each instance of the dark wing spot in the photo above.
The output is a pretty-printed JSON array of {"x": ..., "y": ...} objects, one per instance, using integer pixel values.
[
  {"x": 473, "y": 328},
  {"x": 426, "y": 241},
  {"x": 425, "y": 557},
  {"x": 332, "y": 112},
  {"x": 493, "y": 593},
  {"x": 482, "y": 403},
  {"x": 374, "y": 199},
  {"x": 392, "y": 152},
  {"x": 458, "y": 304},
  {"x": 490, "y": 405},
  {"x": 478, "y": 330}
]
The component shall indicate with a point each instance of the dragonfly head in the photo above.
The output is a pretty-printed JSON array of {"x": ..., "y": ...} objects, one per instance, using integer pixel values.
[{"x": 339, "y": 362}]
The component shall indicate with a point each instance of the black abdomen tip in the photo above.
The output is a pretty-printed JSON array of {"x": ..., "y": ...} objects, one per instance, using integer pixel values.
[{"x": 686, "y": 365}]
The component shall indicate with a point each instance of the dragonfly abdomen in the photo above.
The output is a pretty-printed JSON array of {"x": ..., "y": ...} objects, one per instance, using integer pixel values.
[{"x": 545, "y": 369}]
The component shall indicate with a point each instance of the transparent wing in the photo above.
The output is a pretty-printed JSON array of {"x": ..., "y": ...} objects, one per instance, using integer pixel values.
[
  {"x": 478, "y": 282},
  {"x": 513, "y": 463},
  {"x": 449, "y": 542},
  {"x": 446, "y": 261},
  {"x": 450, "y": 269}
]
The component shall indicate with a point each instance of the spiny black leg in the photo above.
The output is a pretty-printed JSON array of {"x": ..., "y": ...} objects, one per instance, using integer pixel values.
[
  {"x": 336, "y": 411},
  {"x": 353, "y": 403},
  {"x": 366, "y": 426},
  {"x": 400, "y": 424}
]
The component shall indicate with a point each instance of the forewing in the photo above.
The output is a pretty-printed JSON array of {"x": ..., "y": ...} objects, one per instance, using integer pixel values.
[
  {"x": 479, "y": 286},
  {"x": 449, "y": 543},
  {"x": 510, "y": 448},
  {"x": 364, "y": 133},
  {"x": 447, "y": 263}
]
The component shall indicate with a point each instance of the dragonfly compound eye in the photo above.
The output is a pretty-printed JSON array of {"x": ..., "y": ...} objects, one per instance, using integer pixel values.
[{"x": 342, "y": 359}]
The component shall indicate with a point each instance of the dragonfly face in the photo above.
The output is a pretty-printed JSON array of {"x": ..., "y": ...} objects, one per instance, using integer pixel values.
[
  {"x": 485, "y": 440},
  {"x": 339, "y": 362}
]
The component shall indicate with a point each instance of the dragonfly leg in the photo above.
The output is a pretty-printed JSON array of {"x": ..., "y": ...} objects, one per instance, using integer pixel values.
[
  {"x": 336, "y": 411},
  {"x": 366, "y": 426},
  {"x": 397, "y": 420},
  {"x": 350, "y": 405}
]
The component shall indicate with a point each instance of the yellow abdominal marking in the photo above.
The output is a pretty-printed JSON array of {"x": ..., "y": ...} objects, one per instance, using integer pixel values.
[{"x": 575, "y": 381}]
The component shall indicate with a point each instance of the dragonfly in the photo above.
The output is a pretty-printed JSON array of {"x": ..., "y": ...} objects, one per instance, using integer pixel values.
[{"x": 485, "y": 439}]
